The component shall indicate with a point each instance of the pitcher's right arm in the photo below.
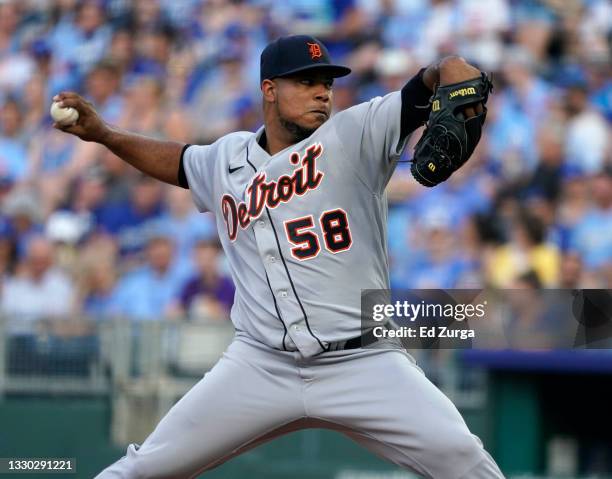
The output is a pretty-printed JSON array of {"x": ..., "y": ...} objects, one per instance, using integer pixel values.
[{"x": 157, "y": 158}]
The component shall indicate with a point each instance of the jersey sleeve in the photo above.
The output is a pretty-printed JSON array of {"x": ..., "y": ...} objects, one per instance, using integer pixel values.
[
  {"x": 375, "y": 133},
  {"x": 198, "y": 167}
]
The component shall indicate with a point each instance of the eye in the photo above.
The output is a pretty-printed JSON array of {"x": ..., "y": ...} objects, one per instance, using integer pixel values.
[{"x": 307, "y": 81}]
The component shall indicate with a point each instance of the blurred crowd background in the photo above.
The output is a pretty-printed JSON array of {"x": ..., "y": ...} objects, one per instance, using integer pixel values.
[{"x": 82, "y": 232}]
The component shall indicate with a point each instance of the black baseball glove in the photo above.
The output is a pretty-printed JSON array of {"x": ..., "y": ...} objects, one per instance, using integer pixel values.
[{"x": 450, "y": 138}]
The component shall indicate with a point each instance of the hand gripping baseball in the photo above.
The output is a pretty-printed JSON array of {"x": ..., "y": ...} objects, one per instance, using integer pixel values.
[
  {"x": 89, "y": 126},
  {"x": 453, "y": 129}
]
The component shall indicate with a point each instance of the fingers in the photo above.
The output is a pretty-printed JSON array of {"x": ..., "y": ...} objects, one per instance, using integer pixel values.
[
  {"x": 469, "y": 111},
  {"x": 74, "y": 102},
  {"x": 64, "y": 128},
  {"x": 455, "y": 70},
  {"x": 65, "y": 94},
  {"x": 72, "y": 129},
  {"x": 472, "y": 110},
  {"x": 67, "y": 99}
]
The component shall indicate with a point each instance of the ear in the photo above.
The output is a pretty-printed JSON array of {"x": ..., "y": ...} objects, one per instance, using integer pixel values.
[{"x": 268, "y": 90}]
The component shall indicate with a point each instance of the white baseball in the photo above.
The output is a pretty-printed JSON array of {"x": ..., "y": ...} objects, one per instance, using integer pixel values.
[{"x": 63, "y": 116}]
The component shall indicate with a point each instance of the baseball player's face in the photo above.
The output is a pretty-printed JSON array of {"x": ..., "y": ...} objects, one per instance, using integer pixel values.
[{"x": 303, "y": 102}]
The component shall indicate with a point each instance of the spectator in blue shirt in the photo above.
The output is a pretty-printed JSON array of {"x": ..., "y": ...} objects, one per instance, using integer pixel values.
[
  {"x": 100, "y": 302},
  {"x": 592, "y": 236},
  {"x": 78, "y": 42},
  {"x": 103, "y": 90},
  {"x": 185, "y": 225},
  {"x": 13, "y": 148},
  {"x": 131, "y": 221},
  {"x": 148, "y": 292},
  {"x": 442, "y": 266}
]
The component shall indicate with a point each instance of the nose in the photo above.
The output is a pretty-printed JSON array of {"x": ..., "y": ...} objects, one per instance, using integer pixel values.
[{"x": 323, "y": 93}]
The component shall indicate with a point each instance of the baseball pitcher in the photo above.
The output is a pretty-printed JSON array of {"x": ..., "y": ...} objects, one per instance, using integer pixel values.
[{"x": 301, "y": 212}]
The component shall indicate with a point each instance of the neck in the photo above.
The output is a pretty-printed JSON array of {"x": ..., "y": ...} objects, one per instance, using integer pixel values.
[
  {"x": 209, "y": 277},
  {"x": 180, "y": 214},
  {"x": 277, "y": 138},
  {"x": 161, "y": 270}
]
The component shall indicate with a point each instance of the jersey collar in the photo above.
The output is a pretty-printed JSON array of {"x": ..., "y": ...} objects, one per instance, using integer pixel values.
[{"x": 258, "y": 155}]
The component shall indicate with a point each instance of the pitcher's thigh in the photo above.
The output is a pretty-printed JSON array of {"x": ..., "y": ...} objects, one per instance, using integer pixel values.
[
  {"x": 387, "y": 404},
  {"x": 234, "y": 405}
]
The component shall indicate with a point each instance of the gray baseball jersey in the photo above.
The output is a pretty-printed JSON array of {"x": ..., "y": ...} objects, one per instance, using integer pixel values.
[{"x": 304, "y": 230}]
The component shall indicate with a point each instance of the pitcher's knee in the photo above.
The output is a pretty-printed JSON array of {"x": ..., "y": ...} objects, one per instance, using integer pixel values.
[
  {"x": 460, "y": 456},
  {"x": 461, "y": 449},
  {"x": 465, "y": 449},
  {"x": 128, "y": 467}
]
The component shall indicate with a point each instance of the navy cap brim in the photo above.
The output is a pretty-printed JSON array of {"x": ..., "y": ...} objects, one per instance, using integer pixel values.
[{"x": 336, "y": 71}]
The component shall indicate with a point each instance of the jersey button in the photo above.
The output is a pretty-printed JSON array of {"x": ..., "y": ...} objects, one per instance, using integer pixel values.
[
  {"x": 297, "y": 329},
  {"x": 271, "y": 259},
  {"x": 283, "y": 294},
  {"x": 261, "y": 223}
]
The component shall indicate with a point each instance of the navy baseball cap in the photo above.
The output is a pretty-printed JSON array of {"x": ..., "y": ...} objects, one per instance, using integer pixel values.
[{"x": 297, "y": 53}]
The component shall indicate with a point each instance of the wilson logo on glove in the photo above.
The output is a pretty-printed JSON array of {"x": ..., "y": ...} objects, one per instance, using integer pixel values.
[{"x": 462, "y": 92}]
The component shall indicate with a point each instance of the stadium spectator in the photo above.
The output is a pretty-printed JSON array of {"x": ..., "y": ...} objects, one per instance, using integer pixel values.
[
  {"x": 185, "y": 225},
  {"x": 21, "y": 211},
  {"x": 8, "y": 251},
  {"x": 13, "y": 143},
  {"x": 98, "y": 275},
  {"x": 208, "y": 294},
  {"x": 481, "y": 27},
  {"x": 119, "y": 177},
  {"x": 87, "y": 195},
  {"x": 131, "y": 220},
  {"x": 16, "y": 66},
  {"x": 99, "y": 300},
  {"x": 220, "y": 93},
  {"x": 592, "y": 236},
  {"x": 9, "y": 23},
  {"x": 143, "y": 106},
  {"x": 35, "y": 97},
  {"x": 79, "y": 40},
  {"x": 531, "y": 321},
  {"x": 571, "y": 272},
  {"x": 38, "y": 289},
  {"x": 586, "y": 126},
  {"x": 440, "y": 266},
  {"x": 146, "y": 14},
  {"x": 546, "y": 179},
  {"x": 153, "y": 50},
  {"x": 102, "y": 88},
  {"x": 521, "y": 107},
  {"x": 526, "y": 251},
  {"x": 122, "y": 50},
  {"x": 147, "y": 292}
]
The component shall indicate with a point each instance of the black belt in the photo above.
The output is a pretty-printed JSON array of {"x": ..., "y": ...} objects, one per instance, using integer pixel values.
[{"x": 355, "y": 343}]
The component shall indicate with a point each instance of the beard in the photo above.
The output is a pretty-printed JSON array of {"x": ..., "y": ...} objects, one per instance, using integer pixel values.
[{"x": 297, "y": 132}]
